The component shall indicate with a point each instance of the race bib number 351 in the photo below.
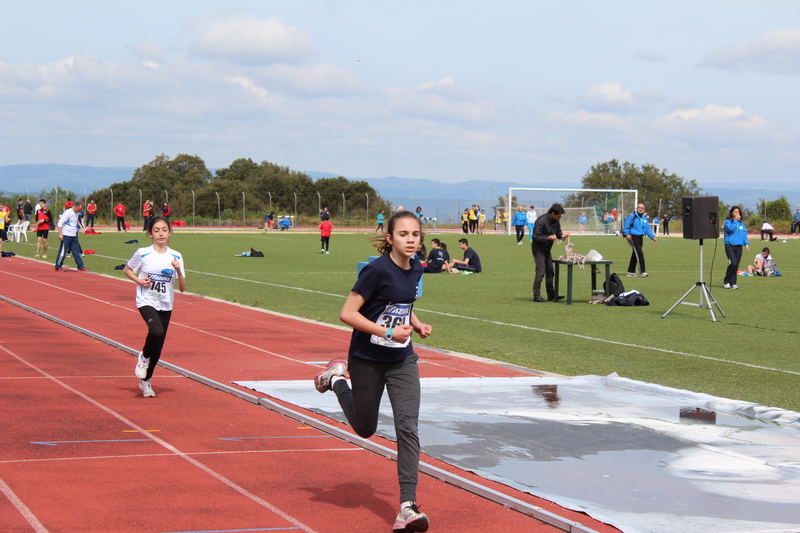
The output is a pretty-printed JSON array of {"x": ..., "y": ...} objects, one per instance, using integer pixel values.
[{"x": 394, "y": 315}]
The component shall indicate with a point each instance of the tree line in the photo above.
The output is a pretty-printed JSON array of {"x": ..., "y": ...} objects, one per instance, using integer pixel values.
[{"x": 244, "y": 186}]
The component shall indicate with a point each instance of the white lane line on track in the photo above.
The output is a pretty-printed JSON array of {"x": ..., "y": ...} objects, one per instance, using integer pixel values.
[
  {"x": 22, "y": 508},
  {"x": 498, "y": 323},
  {"x": 219, "y": 477},
  {"x": 135, "y": 456}
]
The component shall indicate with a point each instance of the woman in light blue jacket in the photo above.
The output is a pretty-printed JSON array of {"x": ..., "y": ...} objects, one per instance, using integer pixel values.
[{"x": 735, "y": 238}]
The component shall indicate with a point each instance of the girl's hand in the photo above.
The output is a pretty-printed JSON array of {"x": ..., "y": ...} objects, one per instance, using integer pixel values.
[
  {"x": 402, "y": 333},
  {"x": 423, "y": 330},
  {"x": 144, "y": 282},
  {"x": 177, "y": 266}
]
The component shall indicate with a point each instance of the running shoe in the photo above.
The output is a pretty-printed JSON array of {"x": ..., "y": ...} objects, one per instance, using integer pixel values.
[
  {"x": 726, "y": 286},
  {"x": 337, "y": 367},
  {"x": 631, "y": 274},
  {"x": 643, "y": 275},
  {"x": 410, "y": 519},
  {"x": 44, "y": 256},
  {"x": 734, "y": 286},
  {"x": 36, "y": 256},
  {"x": 84, "y": 269},
  {"x": 141, "y": 366},
  {"x": 147, "y": 390}
]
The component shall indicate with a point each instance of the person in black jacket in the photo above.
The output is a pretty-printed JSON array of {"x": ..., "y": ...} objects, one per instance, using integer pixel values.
[{"x": 546, "y": 231}]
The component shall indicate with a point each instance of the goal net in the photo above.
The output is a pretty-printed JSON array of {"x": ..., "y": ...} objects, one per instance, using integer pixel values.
[{"x": 591, "y": 211}]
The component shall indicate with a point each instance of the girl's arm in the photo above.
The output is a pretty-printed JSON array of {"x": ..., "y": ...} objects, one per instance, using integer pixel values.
[
  {"x": 423, "y": 330},
  {"x": 143, "y": 282},
  {"x": 351, "y": 316},
  {"x": 179, "y": 271}
]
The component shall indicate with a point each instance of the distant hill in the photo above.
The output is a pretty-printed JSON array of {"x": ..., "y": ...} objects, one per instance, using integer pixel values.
[{"x": 437, "y": 199}]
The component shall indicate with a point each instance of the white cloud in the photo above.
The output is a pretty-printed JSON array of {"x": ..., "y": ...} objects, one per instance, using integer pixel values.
[
  {"x": 315, "y": 79},
  {"x": 251, "y": 41},
  {"x": 247, "y": 84},
  {"x": 714, "y": 117},
  {"x": 148, "y": 50},
  {"x": 442, "y": 99},
  {"x": 773, "y": 52},
  {"x": 611, "y": 97}
]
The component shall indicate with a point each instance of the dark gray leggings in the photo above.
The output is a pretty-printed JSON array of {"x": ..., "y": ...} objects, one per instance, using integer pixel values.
[{"x": 361, "y": 404}]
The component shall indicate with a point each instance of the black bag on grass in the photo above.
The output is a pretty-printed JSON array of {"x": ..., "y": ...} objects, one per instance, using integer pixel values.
[
  {"x": 616, "y": 285},
  {"x": 630, "y": 298},
  {"x": 256, "y": 253}
]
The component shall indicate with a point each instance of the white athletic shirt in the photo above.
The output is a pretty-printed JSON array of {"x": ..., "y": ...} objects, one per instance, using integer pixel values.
[
  {"x": 158, "y": 267},
  {"x": 68, "y": 222}
]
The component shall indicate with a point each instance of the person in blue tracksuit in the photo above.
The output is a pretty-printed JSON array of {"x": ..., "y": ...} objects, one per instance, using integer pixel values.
[
  {"x": 520, "y": 222},
  {"x": 735, "y": 237},
  {"x": 635, "y": 229}
]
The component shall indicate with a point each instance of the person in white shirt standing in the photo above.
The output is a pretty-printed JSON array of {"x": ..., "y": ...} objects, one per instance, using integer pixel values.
[
  {"x": 530, "y": 218},
  {"x": 155, "y": 269},
  {"x": 68, "y": 228}
]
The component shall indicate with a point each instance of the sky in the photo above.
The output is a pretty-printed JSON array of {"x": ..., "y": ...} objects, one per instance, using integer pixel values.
[{"x": 529, "y": 91}]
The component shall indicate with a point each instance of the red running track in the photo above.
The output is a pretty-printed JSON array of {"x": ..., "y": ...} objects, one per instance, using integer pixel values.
[{"x": 83, "y": 451}]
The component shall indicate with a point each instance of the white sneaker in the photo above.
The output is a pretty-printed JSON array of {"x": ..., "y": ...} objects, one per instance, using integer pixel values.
[
  {"x": 410, "y": 519},
  {"x": 322, "y": 251},
  {"x": 337, "y": 367},
  {"x": 631, "y": 274},
  {"x": 142, "y": 365},
  {"x": 734, "y": 286},
  {"x": 643, "y": 275},
  {"x": 726, "y": 286},
  {"x": 327, "y": 252},
  {"x": 147, "y": 390}
]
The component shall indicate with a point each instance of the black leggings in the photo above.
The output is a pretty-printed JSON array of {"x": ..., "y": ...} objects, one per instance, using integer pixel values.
[
  {"x": 157, "y": 324},
  {"x": 361, "y": 407},
  {"x": 326, "y": 242},
  {"x": 520, "y": 232}
]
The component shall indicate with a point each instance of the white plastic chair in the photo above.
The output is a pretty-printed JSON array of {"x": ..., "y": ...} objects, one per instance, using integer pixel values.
[{"x": 19, "y": 230}]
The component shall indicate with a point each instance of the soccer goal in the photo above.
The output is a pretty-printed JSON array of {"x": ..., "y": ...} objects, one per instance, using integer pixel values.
[{"x": 591, "y": 211}]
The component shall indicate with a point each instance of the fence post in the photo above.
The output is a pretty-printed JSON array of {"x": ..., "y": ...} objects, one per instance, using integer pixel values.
[
  {"x": 295, "y": 208},
  {"x": 219, "y": 209},
  {"x": 366, "y": 217},
  {"x": 139, "y": 209},
  {"x": 343, "y": 217},
  {"x": 192, "y": 207},
  {"x": 244, "y": 217}
]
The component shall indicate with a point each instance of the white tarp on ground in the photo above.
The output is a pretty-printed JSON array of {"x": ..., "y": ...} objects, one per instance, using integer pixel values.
[{"x": 641, "y": 457}]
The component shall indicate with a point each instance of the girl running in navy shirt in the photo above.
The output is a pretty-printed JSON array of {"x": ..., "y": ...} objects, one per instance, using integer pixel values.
[{"x": 379, "y": 309}]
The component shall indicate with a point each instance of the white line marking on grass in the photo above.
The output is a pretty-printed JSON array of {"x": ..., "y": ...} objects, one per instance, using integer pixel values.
[
  {"x": 219, "y": 477},
  {"x": 22, "y": 508},
  {"x": 617, "y": 343}
]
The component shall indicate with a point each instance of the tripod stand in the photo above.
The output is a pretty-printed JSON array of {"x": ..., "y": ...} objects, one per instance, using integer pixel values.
[{"x": 706, "y": 298}]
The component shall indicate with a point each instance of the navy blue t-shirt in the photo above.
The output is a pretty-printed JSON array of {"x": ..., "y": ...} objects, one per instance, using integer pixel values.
[
  {"x": 389, "y": 292},
  {"x": 474, "y": 260},
  {"x": 435, "y": 260}
]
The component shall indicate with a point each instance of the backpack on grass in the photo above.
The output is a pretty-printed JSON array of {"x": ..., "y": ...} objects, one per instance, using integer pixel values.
[{"x": 616, "y": 286}]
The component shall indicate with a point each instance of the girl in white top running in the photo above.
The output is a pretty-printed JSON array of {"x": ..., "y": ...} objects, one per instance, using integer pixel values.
[{"x": 155, "y": 269}]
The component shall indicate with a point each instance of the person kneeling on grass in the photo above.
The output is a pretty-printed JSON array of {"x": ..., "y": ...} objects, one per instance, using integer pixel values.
[
  {"x": 379, "y": 309},
  {"x": 763, "y": 265},
  {"x": 471, "y": 262}
]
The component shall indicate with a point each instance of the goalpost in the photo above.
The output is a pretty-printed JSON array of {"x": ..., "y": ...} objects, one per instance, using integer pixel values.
[{"x": 593, "y": 204}]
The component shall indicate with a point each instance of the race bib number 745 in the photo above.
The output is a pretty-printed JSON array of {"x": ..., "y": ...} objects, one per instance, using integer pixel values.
[{"x": 394, "y": 315}]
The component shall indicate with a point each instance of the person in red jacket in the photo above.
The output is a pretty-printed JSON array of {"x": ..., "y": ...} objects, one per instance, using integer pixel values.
[
  {"x": 147, "y": 213},
  {"x": 325, "y": 233},
  {"x": 166, "y": 211},
  {"x": 119, "y": 210},
  {"x": 91, "y": 209}
]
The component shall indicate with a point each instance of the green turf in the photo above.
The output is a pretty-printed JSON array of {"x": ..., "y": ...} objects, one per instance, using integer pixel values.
[{"x": 492, "y": 314}]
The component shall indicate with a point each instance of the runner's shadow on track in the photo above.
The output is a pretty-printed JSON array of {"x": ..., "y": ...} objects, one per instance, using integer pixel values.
[
  {"x": 136, "y": 391},
  {"x": 356, "y": 495}
]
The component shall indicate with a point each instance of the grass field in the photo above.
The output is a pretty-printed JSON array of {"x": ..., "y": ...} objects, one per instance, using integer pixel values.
[{"x": 752, "y": 354}]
